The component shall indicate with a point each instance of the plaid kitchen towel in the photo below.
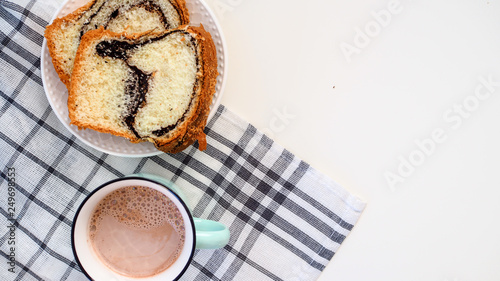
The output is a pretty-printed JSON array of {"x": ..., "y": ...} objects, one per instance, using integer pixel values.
[{"x": 286, "y": 219}]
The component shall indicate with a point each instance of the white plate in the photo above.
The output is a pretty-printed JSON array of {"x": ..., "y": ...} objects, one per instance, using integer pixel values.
[{"x": 57, "y": 94}]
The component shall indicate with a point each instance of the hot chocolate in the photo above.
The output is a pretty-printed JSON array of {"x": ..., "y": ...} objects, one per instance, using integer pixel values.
[{"x": 137, "y": 231}]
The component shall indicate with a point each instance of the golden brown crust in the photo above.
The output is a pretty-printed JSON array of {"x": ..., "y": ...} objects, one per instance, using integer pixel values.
[
  {"x": 180, "y": 7},
  {"x": 191, "y": 129},
  {"x": 58, "y": 23}
]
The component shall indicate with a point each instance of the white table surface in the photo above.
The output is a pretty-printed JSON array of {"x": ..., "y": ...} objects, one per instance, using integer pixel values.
[{"x": 407, "y": 96}]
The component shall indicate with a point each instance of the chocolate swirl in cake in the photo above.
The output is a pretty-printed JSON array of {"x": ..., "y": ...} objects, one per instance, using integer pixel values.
[{"x": 137, "y": 84}]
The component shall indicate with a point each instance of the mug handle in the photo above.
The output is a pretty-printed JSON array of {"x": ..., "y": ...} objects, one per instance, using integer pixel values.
[{"x": 210, "y": 234}]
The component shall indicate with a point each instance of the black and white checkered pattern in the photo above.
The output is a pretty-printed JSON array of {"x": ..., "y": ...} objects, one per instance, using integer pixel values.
[{"x": 286, "y": 219}]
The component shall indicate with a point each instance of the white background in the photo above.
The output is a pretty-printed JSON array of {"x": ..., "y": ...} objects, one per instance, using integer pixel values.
[{"x": 439, "y": 220}]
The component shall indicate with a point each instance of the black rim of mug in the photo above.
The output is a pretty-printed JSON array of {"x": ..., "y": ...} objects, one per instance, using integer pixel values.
[{"x": 131, "y": 178}]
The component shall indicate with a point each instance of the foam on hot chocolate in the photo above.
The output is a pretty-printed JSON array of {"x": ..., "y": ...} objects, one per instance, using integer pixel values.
[{"x": 137, "y": 231}]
